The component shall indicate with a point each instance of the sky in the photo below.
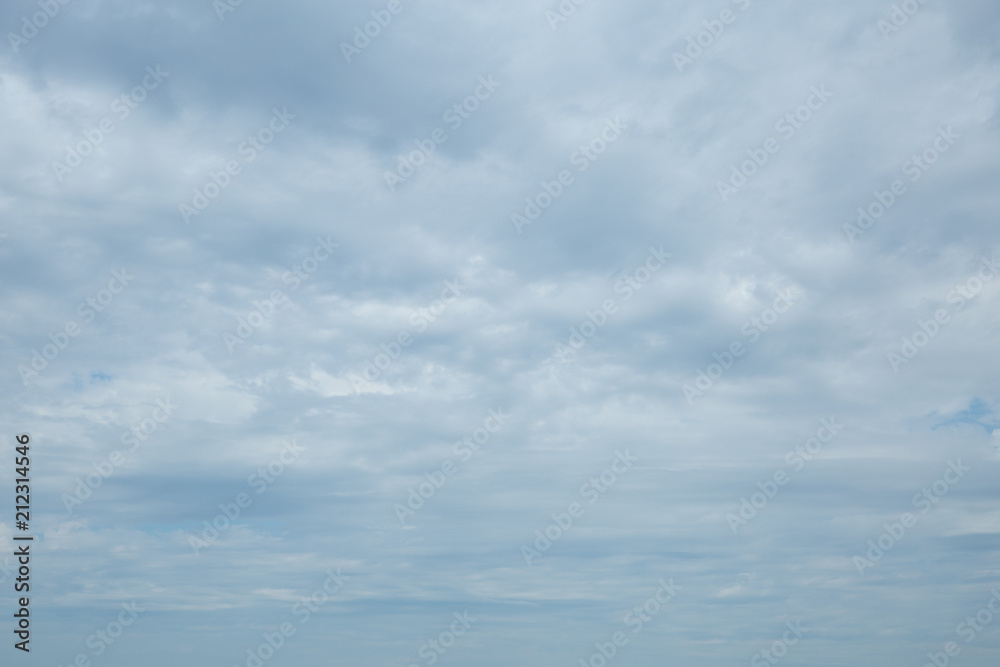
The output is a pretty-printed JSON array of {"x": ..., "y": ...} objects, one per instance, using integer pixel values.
[{"x": 502, "y": 333}]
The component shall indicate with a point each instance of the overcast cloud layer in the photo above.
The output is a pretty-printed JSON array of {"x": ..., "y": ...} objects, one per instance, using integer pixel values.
[{"x": 442, "y": 278}]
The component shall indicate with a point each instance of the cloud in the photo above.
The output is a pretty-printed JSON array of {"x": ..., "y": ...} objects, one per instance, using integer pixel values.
[{"x": 431, "y": 309}]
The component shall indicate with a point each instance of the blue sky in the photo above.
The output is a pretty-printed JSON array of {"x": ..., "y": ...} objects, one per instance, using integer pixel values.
[{"x": 520, "y": 312}]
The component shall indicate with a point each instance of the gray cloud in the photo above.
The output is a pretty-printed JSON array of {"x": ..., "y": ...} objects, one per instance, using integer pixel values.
[{"x": 321, "y": 181}]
